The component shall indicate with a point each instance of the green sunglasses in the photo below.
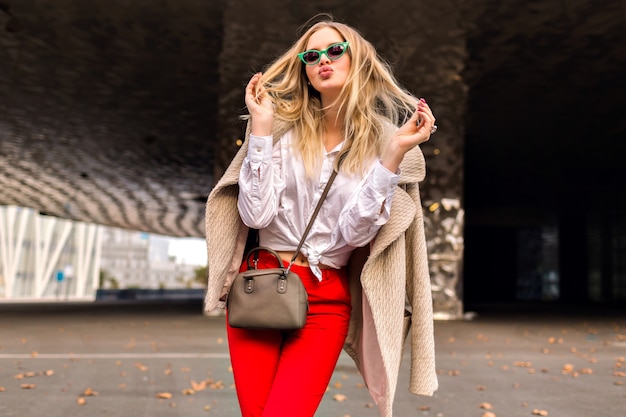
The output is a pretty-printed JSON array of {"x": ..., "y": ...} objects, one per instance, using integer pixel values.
[{"x": 333, "y": 52}]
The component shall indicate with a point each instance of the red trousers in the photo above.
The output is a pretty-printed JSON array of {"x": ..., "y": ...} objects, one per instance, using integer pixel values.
[{"x": 286, "y": 373}]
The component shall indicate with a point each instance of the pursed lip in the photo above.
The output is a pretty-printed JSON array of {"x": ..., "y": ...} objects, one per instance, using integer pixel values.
[{"x": 325, "y": 71}]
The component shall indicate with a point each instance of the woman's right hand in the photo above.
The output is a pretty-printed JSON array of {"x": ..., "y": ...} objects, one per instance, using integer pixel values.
[{"x": 260, "y": 107}]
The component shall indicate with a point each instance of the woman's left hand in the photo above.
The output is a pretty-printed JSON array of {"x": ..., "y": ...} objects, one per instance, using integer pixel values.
[{"x": 414, "y": 132}]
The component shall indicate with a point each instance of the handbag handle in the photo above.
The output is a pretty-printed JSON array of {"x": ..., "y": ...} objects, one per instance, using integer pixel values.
[{"x": 256, "y": 251}]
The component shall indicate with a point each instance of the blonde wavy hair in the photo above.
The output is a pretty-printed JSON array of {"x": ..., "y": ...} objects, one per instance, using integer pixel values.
[{"x": 370, "y": 98}]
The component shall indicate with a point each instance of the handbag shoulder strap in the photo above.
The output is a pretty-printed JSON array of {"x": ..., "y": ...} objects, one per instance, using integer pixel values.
[{"x": 316, "y": 211}]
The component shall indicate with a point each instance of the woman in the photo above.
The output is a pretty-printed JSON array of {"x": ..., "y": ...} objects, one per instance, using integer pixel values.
[{"x": 364, "y": 261}]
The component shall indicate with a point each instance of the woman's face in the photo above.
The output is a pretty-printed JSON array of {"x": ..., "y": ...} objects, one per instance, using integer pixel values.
[{"x": 326, "y": 76}]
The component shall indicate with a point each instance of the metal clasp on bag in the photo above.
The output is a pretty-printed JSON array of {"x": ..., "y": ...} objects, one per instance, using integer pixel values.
[
  {"x": 249, "y": 286},
  {"x": 281, "y": 288},
  {"x": 255, "y": 261}
]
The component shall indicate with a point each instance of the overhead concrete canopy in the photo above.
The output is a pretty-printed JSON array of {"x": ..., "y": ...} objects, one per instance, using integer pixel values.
[{"x": 124, "y": 113}]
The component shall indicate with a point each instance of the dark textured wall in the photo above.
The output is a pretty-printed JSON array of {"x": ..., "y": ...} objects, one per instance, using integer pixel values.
[
  {"x": 125, "y": 113},
  {"x": 108, "y": 110}
]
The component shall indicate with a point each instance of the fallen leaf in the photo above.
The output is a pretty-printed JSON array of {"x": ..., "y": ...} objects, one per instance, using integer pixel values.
[
  {"x": 424, "y": 408},
  {"x": 489, "y": 414},
  {"x": 486, "y": 406},
  {"x": 2, "y": 389},
  {"x": 28, "y": 386},
  {"x": 81, "y": 401},
  {"x": 90, "y": 393},
  {"x": 188, "y": 391},
  {"x": 164, "y": 395},
  {"x": 217, "y": 385},
  {"x": 200, "y": 386},
  {"x": 339, "y": 397},
  {"x": 337, "y": 385},
  {"x": 537, "y": 412}
]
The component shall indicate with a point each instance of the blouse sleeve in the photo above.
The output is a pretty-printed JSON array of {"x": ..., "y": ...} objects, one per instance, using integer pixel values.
[
  {"x": 259, "y": 184},
  {"x": 369, "y": 207}
]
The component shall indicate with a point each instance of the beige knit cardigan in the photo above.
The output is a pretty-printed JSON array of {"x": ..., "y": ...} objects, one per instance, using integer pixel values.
[{"x": 389, "y": 280}]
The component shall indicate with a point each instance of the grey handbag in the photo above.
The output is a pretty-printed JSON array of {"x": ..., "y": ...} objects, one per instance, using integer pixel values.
[{"x": 272, "y": 298}]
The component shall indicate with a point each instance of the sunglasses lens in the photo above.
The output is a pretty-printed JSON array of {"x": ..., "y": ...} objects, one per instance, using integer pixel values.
[
  {"x": 311, "y": 57},
  {"x": 335, "y": 51}
]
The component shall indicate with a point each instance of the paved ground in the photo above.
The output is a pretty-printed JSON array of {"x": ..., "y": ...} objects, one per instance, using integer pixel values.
[{"x": 167, "y": 359}]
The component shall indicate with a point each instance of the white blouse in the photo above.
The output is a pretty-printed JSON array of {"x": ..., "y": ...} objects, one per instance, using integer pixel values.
[{"x": 276, "y": 197}]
